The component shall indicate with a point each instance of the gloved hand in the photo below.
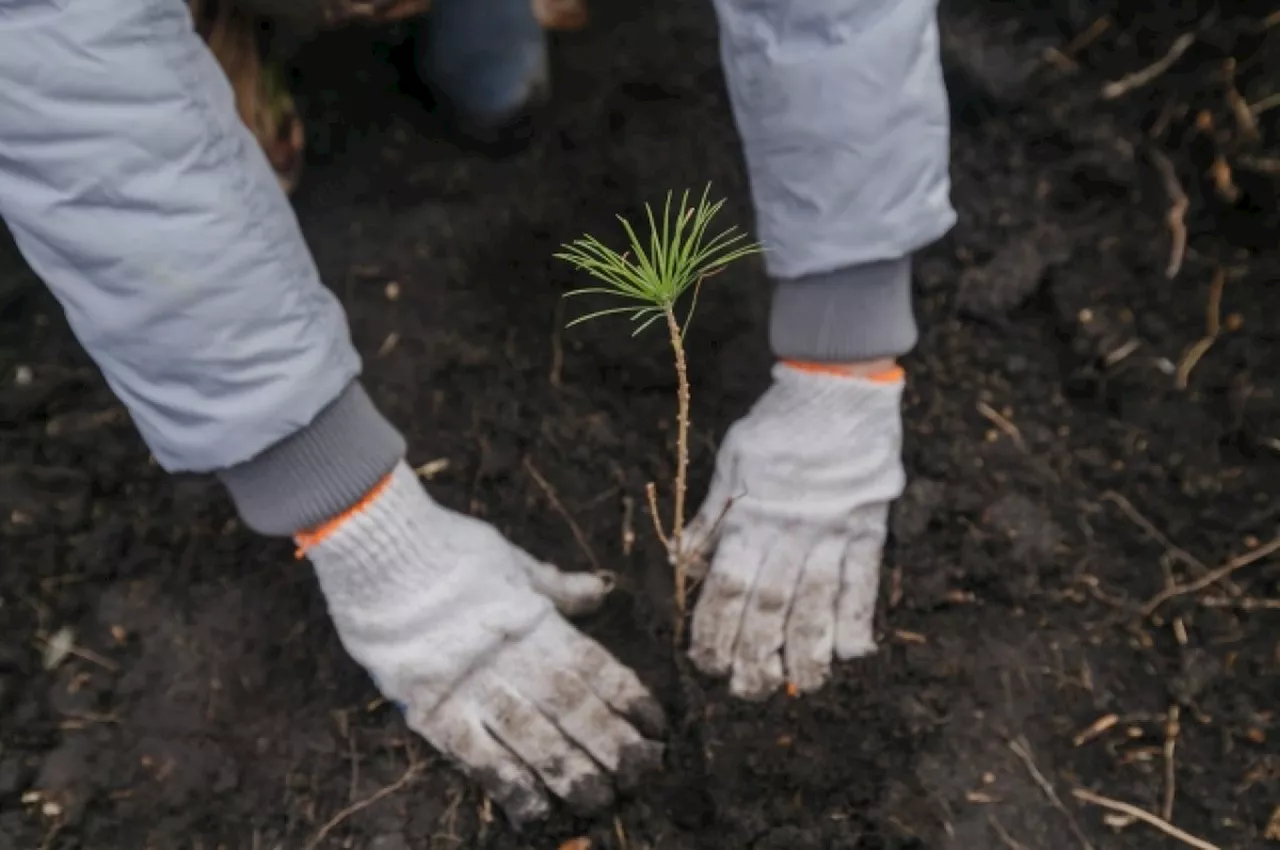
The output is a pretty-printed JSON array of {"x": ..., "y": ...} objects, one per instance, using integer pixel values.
[
  {"x": 458, "y": 627},
  {"x": 796, "y": 517}
]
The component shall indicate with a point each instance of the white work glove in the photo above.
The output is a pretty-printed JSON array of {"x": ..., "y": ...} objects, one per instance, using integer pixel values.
[
  {"x": 458, "y": 626},
  {"x": 796, "y": 517}
]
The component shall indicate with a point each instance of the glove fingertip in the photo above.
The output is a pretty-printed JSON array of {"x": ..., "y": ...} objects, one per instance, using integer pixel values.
[
  {"x": 708, "y": 661},
  {"x": 647, "y": 714},
  {"x": 809, "y": 678},
  {"x": 755, "y": 683},
  {"x": 582, "y": 593},
  {"x": 589, "y": 796},
  {"x": 852, "y": 648},
  {"x": 573, "y": 594},
  {"x": 523, "y": 806}
]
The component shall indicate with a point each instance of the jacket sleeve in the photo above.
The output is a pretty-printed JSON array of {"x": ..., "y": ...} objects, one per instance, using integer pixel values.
[
  {"x": 134, "y": 191},
  {"x": 844, "y": 121}
]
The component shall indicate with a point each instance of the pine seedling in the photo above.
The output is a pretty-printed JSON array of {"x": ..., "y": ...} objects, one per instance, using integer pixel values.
[{"x": 649, "y": 281}]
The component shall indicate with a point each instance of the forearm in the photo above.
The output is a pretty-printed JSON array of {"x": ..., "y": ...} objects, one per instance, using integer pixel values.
[
  {"x": 844, "y": 121},
  {"x": 133, "y": 189}
]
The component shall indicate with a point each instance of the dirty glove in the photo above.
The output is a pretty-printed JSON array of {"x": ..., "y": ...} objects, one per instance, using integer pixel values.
[
  {"x": 461, "y": 629},
  {"x": 796, "y": 518}
]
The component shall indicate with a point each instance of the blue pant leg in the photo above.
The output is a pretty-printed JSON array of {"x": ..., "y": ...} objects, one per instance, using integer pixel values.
[{"x": 487, "y": 57}]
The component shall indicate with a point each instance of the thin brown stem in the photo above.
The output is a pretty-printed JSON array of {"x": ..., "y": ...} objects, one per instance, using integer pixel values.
[
  {"x": 410, "y": 773},
  {"x": 1144, "y": 816},
  {"x": 554, "y": 498},
  {"x": 651, "y": 493},
  {"x": 1212, "y": 577},
  {"x": 682, "y": 469}
]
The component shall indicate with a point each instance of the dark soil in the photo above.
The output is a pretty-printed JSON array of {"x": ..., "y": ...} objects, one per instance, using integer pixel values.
[{"x": 1060, "y": 477}]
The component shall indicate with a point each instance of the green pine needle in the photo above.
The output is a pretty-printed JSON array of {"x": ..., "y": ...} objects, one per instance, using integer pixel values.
[{"x": 650, "y": 281}]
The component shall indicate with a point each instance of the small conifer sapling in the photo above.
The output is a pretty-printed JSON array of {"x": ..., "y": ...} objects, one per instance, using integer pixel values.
[{"x": 649, "y": 278}]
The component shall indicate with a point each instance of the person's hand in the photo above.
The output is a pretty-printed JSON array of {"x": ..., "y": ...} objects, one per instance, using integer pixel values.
[
  {"x": 460, "y": 628},
  {"x": 793, "y": 527}
]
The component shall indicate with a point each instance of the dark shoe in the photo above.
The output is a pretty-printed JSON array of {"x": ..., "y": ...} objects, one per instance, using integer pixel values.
[
  {"x": 503, "y": 135},
  {"x": 488, "y": 69}
]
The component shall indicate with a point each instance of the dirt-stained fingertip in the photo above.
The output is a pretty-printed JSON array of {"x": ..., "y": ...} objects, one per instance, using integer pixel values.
[
  {"x": 590, "y": 796},
  {"x": 647, "y": 714},
  {"x": 521, "y": 803}
]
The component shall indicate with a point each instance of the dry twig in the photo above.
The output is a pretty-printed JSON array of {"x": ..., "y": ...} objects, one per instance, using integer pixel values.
[
  {"x": 1171, "y": 730},
  {"x": 1096, "y": 728},
  {"x": 1246, "y": 122},
  {"x": 1211, "y": 577},
  {"x": 559, "y": 507},
  {"x": 410, "y": 773},
  {"x": 1002, "y": 422},
  {"x": 1003, "y": 834},
  {"x": 1142, "y": 77},
  {"x": 1086, "y": 37},
  {"x": 1264, "y": 104},
  {"x": 1261, "y": 164},
  {"x": 1177, "y": 215},
  {"x": 1065, "y": 57},
  {"x": 1023, "y": 751},
  {"x": 651, "y": 493},
  {"x": 1213, "y": 326},
  {"x": 1144, "y": 816},
  {"x": 1246, "y": 604},
  {"x": 1126, "y": 507},
  {"x": 1172, "y": 549}
]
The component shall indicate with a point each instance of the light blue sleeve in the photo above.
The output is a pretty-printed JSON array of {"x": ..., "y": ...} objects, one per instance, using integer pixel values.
[
  {"x": 845, "y": 125},
  {"x": 134, "y": 191}
]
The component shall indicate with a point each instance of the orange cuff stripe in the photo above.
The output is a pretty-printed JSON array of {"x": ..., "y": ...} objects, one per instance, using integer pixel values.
[
  {"x": 309, "y": 538},
  {"x": 889, "y": 376}
]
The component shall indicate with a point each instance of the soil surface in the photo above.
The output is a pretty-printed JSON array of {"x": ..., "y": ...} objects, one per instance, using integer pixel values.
[{"x": 1069, "y": 461}]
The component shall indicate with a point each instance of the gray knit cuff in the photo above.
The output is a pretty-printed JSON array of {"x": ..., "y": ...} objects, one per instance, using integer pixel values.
[
  {"x": 852, "y": 314},
  {"x": 318, "y": 472}
]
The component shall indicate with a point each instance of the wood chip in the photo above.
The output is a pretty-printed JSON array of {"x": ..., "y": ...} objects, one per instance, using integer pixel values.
[
  {"x": 388, "y": 344},
  {"x": 981, "y": 797},
  {"x": 1102, "y": 724},
  {"x": 1272, "y": 832},
  {"x": 58, "y": 647},
  {"x": 432, "y": 468}
]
